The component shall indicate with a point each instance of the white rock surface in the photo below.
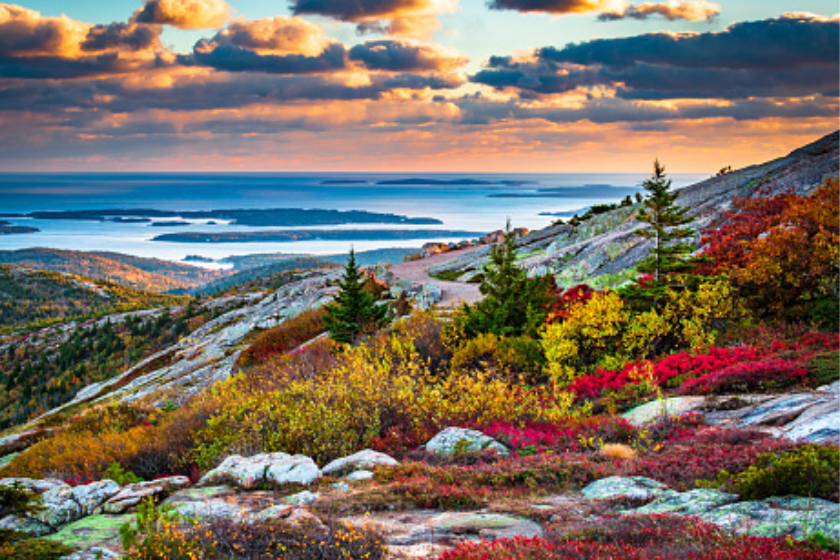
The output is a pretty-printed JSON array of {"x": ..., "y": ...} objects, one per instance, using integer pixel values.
[
  {"x": 276, "y": 469},
  {"x": 366, "y": 459}
]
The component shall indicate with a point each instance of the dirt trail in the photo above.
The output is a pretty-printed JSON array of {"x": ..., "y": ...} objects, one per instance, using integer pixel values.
[{"x": 417, "y": 272}]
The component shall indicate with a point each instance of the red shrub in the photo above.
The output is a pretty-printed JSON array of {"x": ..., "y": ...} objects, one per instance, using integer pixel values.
[
  {"x": 286, "y": 336},
  {"x": 572, "y": 435},
  {"x": 654, "y": 537},
  {"x": 762, "y": 375}
]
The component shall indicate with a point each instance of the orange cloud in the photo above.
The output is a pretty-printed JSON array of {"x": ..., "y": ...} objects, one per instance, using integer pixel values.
[
  {"x": 406, "y": 18},
  {"x": 278, "y": 35},
  {"x": 185, "y": 14},
  {"x": 25, "y": 32},
  {"x": 692, "y": 10}
]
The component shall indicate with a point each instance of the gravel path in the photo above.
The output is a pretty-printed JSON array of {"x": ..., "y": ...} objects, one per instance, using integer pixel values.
[{"x": 453, "y": 293}]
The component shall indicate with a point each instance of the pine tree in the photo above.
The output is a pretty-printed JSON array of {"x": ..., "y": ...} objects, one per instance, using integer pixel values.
[
  {"x": 513, "y": 304},
  {"x": 353, "y": 310},
  {"x": 670, "y": 253}
]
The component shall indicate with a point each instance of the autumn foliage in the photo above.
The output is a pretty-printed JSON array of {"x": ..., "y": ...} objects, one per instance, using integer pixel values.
[{"x": 782, "y": 253}]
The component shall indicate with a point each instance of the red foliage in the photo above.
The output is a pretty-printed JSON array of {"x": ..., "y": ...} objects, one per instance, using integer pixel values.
[
  {"x": 567, "y": 436},
  {"x": 748, "y": 366},
  {"x": 761, "y": 375},
  {"x": 656, "y": 537},
  {"x": 561, "y": 302}
]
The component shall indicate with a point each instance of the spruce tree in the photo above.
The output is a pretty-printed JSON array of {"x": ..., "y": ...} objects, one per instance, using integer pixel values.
[
  {"x": 513, "y": 304},
  {"x": 670, "y": 253},
  {"x": 353, "y": 310}
]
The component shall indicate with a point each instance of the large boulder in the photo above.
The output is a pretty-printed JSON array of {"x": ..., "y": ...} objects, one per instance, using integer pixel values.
[
  {"x": 273, "y": 469},
  {"x": 450, "y": 440},
  {"x": 366, "y": 459},
  {"x": 626, "y": 487}
]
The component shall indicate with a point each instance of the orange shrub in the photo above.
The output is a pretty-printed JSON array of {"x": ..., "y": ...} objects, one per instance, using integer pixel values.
[{"x": 286, "y": 336}]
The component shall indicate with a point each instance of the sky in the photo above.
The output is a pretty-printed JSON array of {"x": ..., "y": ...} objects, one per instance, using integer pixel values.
[{"x": 543, "y": 86}]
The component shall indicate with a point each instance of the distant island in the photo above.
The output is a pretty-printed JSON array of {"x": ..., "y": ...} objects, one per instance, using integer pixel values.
[
  {"x": 7, "y": 228},
  {"x": 449, "y": 182},
  {"x": 288, "y": 217},
  {"x": 344, "y": 182},
  {"x": 289, "y": 236},
  {"x": 198, "y": 258},
  {"x": 178, "y": 223},
  {"x": 584, "y": 191},
  {"x": 565, "y": 213}
]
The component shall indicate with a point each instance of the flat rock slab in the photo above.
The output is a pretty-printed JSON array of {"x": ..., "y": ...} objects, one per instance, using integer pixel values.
[
  {"x": 657, "y": 410},
  {"x": 95, "y": 530},
  {"x": 795, "y": 516},
  {"x": 420, "y": 533},
  {"x": 693, "y": 502},
  {"x": 621, "y": 487}
]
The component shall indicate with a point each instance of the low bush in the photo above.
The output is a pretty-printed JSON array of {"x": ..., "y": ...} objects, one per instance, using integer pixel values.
[
  {"x": 764, "y": 375},
  {"x": 286, "y": 336},
  {"x": 34, "y": 549},
  {"x": 641, "y": 538},
  {"x": 158, "y": 534},
  {"x": 810, "y": 470},
  {"x": 514, "y": 358}
]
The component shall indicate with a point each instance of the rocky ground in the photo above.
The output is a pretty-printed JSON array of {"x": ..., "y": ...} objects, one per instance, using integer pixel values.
[{"x": 293, "y": 489}]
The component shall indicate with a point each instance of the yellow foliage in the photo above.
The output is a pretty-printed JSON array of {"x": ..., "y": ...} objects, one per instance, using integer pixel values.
[
  {"x": 363, "y": 394},
  {"x": 603, "y": 332}
]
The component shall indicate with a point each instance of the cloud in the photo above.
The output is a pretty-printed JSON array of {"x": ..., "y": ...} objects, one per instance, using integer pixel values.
[
  {"x": 184, "y": 14},
  {"x": 279, "y": 35},
  {"x": 406, "y": 56},
  {"x": 129, "y": 36},
  {"x": 25, "y": 32},
  {"x": 407, "y": 18},
  {"x": 692, "y": 10},
  {"x": 788, "y": 56},
  {"x": 232, "y": 58}
]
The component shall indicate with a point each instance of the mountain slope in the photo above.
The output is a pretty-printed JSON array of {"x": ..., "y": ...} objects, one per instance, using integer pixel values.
[
  {"x": 604, "y": 250},
  {"x": 140, "y": 273}
]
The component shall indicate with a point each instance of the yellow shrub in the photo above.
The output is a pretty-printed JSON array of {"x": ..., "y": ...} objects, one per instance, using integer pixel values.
[
  {"x": 604, "y": 332},
  {"x": 368, "y": 391}
]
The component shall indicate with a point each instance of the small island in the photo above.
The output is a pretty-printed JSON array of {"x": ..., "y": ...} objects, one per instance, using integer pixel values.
[
  {"x": 7, "y": 228},
  {"x": 290, "y": 236}
]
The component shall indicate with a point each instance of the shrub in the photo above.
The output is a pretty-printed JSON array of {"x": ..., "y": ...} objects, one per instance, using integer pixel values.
[
  {"x": 512, "y": 357},
  {"x": 640, "y": 538},
  {"x": 34, "y": 549},
  {"x": 771, "y": 374},
  {"x": 285, "y": 337},
  {"x": 380, "y": 389},
  {"x": 158, "y": 535},
  {"x": 810, "y": 470},
  {"x": 824, "y": 368}
]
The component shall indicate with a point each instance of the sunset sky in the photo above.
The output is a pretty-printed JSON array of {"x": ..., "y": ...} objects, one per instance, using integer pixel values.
[{"x": 413, "y": 85}]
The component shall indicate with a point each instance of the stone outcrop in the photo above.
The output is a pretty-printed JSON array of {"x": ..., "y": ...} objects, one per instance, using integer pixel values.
[
  {"x": 271, "y": 469},
  {"x": 795, "y": 516},
  {"x": 452, "y": 440},
  {"x": 808, "y": 416},
  {"x": 132, "y": 494}
]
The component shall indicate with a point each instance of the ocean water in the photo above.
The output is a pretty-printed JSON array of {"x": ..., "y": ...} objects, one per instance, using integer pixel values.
[{"x": 521, "y": 198}]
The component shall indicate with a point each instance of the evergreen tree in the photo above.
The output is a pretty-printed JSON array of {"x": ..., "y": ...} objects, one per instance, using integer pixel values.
[
  {"x": 353, "y": 310},
  {"x": 513, "y": 304},
  {"x": 670, "y": 253}
]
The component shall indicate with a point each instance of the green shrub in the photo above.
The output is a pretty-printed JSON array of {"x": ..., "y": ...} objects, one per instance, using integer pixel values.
[
  {"x": 116, "y": 473},
  {"x": 810, "y": 470},
  {"x": 34, "y": 549},
  {"x": 824, "y": 368}
]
